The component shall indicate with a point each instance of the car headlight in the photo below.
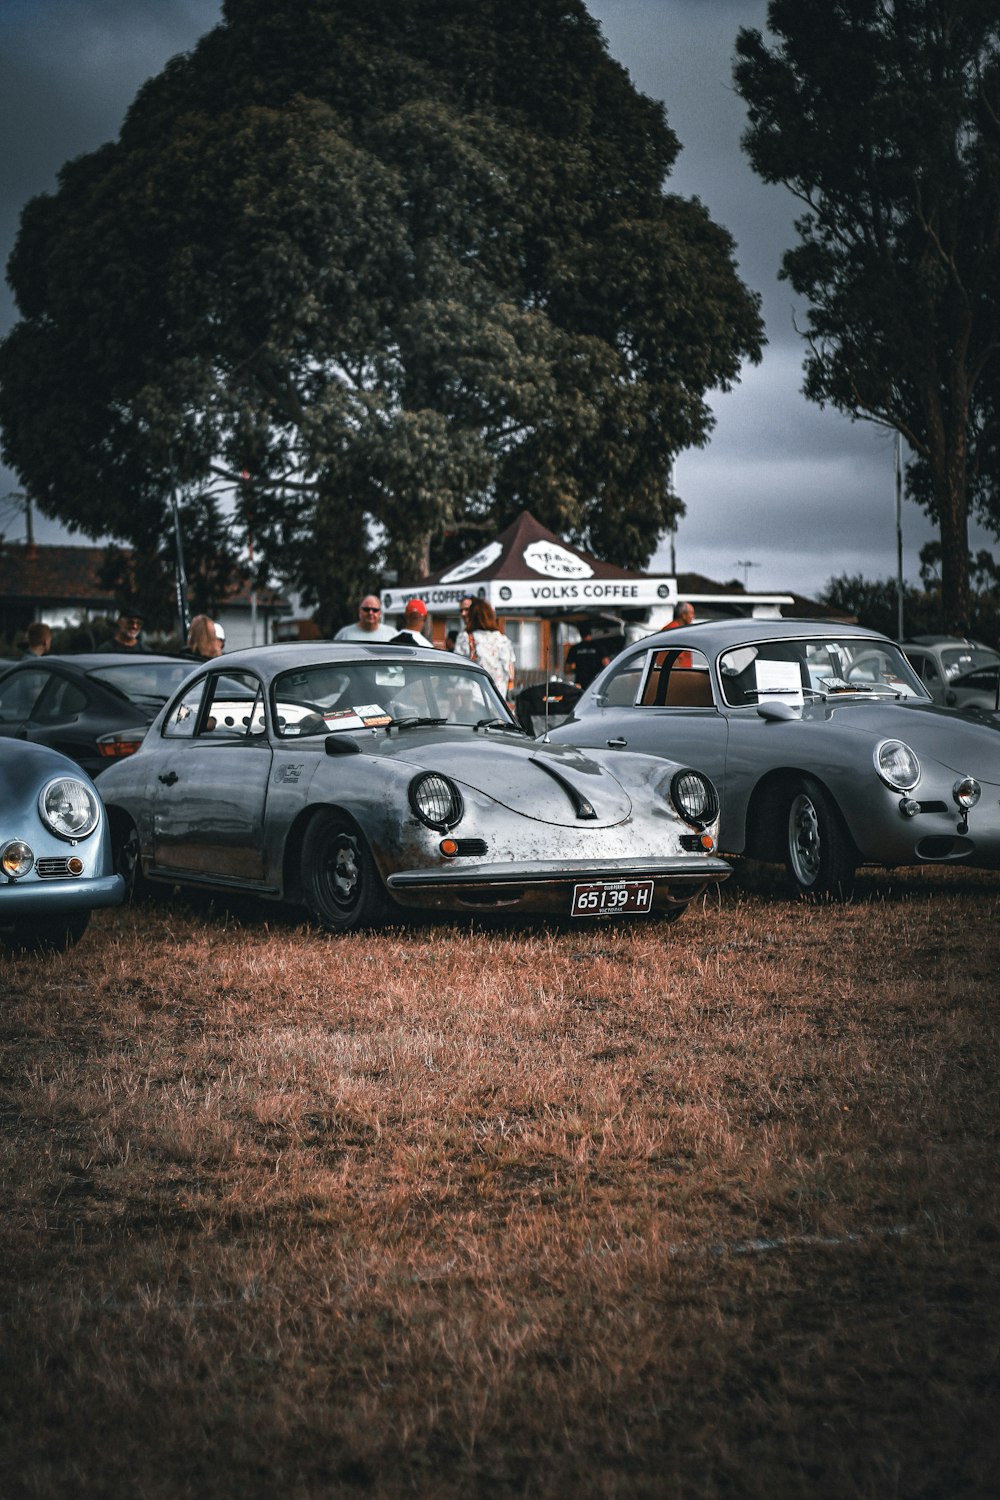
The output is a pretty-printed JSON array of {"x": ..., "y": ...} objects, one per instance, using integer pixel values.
[
  {"x": 694, "y": 797},
  {"x": 436, "y": 800},
  {"x": 897, "y": 765},
  {"x": 16, "y": 859},
  {"x": 966, "y": 792},
  {"x": 69, "y": 808}
]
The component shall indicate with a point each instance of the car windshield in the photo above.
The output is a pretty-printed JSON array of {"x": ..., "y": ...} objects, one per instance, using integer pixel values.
[
  {"x": 964, "y": 658},
  {"x": 801, "y": 671},
  {"x": 334, "y": 696},
  {"x": 148, "y": 683}
]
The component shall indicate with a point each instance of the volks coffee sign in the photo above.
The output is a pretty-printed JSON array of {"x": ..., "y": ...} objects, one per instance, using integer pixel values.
[{"x": 529, "y": 571}]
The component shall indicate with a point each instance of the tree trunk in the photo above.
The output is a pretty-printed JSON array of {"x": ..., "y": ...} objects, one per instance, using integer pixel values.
[{"x": 953, "y": 520}]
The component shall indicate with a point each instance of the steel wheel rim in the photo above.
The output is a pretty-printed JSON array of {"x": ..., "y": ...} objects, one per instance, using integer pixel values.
[
  {"x": 804, "y": 842},
  {"x": 342, "y": 872}
]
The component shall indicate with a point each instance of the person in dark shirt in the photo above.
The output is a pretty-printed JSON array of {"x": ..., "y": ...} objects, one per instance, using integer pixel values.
[
  {"x": 587, "y": 657},
  {"x": 126, "y": 636}
]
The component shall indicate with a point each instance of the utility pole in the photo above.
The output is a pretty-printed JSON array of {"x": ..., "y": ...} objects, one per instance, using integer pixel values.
[
  {"x": 746, "y": 565},
  {"x": 899, "y": 536},
  {"x": 180, "y": 576}
]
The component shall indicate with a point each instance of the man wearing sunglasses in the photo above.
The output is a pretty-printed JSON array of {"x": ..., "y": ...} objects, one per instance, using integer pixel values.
[{"x": 368, "y": 626}]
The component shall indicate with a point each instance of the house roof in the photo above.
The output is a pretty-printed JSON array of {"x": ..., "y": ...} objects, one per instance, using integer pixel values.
[
  {"x": 54, "y": 575},
  {"x": 46, "y": 576}
]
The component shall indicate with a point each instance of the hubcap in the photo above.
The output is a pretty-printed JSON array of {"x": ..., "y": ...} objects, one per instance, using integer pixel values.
[
  {"x": 345, "y": 873},
  {"x": 804, "y": 846}
]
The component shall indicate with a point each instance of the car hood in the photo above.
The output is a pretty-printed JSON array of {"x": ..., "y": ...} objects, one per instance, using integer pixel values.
[
  {"x": 963, "y": 741},
  {"x": 550, "y": 783}
]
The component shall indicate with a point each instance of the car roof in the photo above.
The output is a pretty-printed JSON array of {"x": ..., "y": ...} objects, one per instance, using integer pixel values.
[
  {"x": 88, "y": 661},
  {"x": 269, "y": 661},
  {"x": 718, "y": 635}
]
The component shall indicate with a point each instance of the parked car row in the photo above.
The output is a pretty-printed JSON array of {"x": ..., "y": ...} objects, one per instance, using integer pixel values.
[{"x": 363, "y": 782}]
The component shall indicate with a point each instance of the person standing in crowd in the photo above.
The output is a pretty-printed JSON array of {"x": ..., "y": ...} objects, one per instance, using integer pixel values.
[
  {"x": 126, "y": 636},
  {"x": 412, "y": 633},
  {"x": 368, "y": 626},
  {"x": 683, "y": 615},
  {"x": 206, "y": 639},
  {"x": 39, "y": 639},
  {"x": 587, "y": 657},
  {"x": 484, "y": 641}
]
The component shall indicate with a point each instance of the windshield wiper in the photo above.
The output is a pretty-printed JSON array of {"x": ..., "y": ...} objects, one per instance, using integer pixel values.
[
  {"x": 414, "y": 721},
  {"x": 498, "y": 724}
]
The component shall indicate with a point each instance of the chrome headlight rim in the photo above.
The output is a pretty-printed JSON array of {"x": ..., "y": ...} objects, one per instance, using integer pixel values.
[
  {"x": 966, "y": 792},
  {"x": 436, "y": 801},
  {"x": 69, "y": 808},
  {"x": 694, "y": 797},
  {"x": 17, "y": 859},
  {"x": 897, "y": 776}
]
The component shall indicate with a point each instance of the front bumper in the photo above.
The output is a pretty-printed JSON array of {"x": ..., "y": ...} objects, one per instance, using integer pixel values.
[
  {"x": 546, "y": 887},
  {"x": 41, "y": 898}
]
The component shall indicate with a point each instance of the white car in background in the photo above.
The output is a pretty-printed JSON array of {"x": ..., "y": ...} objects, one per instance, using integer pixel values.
[{"x": 957, "y": 673}]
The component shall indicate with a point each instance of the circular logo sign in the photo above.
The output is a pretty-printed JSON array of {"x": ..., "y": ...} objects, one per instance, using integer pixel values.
[
  {"x": 554, "y": 561},
  {"x": 474, "y": 564}
]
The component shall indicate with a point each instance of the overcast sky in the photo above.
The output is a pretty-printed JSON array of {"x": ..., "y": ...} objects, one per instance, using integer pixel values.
[{"x": 784, "y": 496}]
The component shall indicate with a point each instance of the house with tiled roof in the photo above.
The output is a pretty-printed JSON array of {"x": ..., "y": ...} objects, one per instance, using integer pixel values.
[{"x": 61, "y": 586}]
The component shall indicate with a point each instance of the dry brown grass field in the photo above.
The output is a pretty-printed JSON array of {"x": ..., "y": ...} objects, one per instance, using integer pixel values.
[{"x": 689, "y": 1211}]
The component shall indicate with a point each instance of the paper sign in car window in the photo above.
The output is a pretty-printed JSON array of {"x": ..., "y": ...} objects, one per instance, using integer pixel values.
[
  {"x": 373, "y": 715},
  {"x": 778, "y": 681},
  {"x": 344, "y": 718}
]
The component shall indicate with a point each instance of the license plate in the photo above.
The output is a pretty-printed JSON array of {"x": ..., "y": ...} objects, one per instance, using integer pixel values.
[{"x": 605, "y": 898}]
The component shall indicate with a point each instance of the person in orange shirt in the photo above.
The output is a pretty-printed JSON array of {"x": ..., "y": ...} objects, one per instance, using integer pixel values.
[{"x": 683, "y": 615}]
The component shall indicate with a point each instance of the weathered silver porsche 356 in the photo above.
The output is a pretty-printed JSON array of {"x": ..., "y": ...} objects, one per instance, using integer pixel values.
[{"x": 361, "y": 780}]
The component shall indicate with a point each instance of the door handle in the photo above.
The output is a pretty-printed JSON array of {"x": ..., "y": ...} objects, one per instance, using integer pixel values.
[
  {"x": 618, "y": 744},
  {"x": 169, "y": 777}
]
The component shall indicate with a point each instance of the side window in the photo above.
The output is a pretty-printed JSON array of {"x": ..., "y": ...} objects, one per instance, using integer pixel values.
[
  {"x": 621, "y": 688},
  {"x": 62, "y": 700},
  {"x": 179, "y": 723},
  {"x": 18, "y": 693},
  {"x": 677, "y": 679},
  {"x": 233, "y": 707}
]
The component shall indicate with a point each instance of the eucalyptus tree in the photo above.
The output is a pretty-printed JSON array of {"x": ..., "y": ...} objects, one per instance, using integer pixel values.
[
  {"x": 883, "y": 118},
  {"x": 385, "y": 271}
]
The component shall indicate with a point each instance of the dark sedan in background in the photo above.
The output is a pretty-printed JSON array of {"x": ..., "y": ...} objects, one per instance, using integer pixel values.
[{"x": 94, "y": 708}]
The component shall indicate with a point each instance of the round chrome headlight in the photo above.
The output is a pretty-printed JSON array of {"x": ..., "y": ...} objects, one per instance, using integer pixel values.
[
  {"x": 69, "y": 808},
  {"x": 16, "y": 859},
  {"x": 897, "y": 765},
  {"x": 967, "y": 792},
  {"x": 694, "y": 797},
  {"x": 436, "y": 800}
]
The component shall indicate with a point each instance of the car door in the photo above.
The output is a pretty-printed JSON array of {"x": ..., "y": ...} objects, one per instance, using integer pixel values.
[
  {"x": 210, "y": 786},
  {"x": 661, "y": 702}
]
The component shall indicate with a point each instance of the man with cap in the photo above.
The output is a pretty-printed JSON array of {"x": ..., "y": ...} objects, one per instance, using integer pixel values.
[
  {"x": 412, "y": 633},
  {"x": 368, "y": 626},
  {"x": 126, "y": 636}
]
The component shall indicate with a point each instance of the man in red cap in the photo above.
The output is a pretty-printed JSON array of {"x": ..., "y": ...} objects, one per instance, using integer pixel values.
[{"x": 412, "y": 633}]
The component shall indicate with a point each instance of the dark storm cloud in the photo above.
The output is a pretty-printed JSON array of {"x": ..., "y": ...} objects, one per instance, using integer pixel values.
[
  {"x": 69, "y": 69},
  {"x": 802, "y": 493}
]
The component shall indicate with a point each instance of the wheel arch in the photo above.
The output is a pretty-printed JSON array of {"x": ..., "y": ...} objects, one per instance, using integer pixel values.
[
  {"x": 291, "y": 864},
  {"x": 767, "y": 807}
]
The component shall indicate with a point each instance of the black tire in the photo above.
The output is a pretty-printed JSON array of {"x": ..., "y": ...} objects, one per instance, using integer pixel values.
[
  {"x": 125, "y": 851},
  {"x": 819, "y": 855},
  {"x": 51, "y": 934},
  {"x": 342, "y": 889}
]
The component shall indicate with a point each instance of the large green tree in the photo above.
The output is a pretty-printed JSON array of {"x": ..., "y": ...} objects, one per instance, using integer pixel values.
[
  {"x": 407, "y": 267},
  {"x": 883, "y": 118}
]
